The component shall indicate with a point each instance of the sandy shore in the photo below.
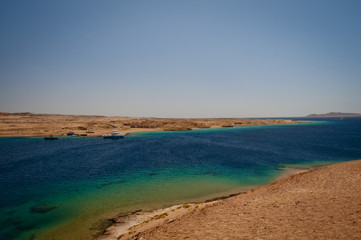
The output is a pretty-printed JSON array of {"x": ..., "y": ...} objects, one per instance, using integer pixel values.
[
  {"x": 324, "y": 203},
  {"x": 32, "y": 124}
]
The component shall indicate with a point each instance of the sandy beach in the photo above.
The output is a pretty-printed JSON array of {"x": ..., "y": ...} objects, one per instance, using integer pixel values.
[
  {"x": 34, "y": 124},
  {"x": 323, "y": 203}
]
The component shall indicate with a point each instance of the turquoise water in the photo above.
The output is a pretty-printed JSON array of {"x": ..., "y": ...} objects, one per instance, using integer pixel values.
[{"x": 66, "y": 188}]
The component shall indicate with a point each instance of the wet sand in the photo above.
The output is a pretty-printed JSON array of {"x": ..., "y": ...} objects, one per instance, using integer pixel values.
[{"x": 323, "y": 203}]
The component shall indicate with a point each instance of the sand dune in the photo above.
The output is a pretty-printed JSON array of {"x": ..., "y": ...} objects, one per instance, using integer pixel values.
[{"x": 323, "y": 203}]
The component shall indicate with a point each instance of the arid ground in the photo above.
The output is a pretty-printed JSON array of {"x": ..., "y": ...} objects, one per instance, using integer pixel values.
[{"x": 32, "y": 124}]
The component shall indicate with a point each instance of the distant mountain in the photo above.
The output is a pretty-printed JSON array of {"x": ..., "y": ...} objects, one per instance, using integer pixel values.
[{"x": 335, "y": 114}]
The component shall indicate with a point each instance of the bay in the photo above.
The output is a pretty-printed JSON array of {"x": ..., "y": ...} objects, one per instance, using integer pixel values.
[{"x": 67, "y": 188}]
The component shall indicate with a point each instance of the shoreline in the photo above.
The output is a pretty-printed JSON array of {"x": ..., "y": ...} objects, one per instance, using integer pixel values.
[
  {"x": 125, "y": 219},
  {"x": 322, "y": 203},
  {"x": 127, "y": 226},
  {"x": 299, "y": 195},
  {"x": 152, "y": 130},
  {"x": 40, "y": 125}
]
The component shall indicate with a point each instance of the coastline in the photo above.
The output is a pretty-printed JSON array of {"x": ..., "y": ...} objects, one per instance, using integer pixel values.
[
  {"x": 87, "y": 224},
  {"x": 39, "y": 125},
  {"x": 298, "y": 184},
  {"x": 139, "y": 220},
  {"x": 113, "y": 222}
]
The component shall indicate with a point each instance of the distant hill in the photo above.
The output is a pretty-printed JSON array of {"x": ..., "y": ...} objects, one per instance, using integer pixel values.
[{"x": 335, "y": 114}]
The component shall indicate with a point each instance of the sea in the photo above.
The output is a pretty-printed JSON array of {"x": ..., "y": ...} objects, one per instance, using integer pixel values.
[{"x": 69, "y": 188}]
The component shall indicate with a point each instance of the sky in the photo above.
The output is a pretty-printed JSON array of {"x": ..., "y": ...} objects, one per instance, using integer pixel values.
[{"x": 185, "y": 58}]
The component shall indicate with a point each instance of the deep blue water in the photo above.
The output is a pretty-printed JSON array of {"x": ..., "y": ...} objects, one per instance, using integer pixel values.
[{"x": 153, "y": 167}]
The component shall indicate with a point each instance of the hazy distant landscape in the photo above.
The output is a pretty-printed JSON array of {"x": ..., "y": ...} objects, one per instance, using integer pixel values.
[{"x": 336, "y": 114}]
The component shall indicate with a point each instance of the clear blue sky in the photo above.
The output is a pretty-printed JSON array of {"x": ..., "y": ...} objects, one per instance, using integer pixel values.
[{"x": 185, "y": 58}]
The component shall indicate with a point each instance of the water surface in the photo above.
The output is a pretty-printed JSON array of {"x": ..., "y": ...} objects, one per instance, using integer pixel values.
[{"x": 66, "y": 188}]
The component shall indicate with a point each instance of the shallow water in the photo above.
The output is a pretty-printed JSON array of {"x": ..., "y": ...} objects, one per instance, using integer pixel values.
[{"x": 65, "y": 188}]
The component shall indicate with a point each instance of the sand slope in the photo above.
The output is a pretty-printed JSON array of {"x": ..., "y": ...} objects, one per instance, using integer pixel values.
[{"x": 324, "y": 203}]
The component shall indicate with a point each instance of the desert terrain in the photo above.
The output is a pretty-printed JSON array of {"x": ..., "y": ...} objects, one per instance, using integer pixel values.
[{"x": 33, "y": 124}]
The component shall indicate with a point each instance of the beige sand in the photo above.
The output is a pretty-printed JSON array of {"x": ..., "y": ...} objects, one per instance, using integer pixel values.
[
  {"x": 32, "y": 124},
  {"x": 324, "y": 203}
]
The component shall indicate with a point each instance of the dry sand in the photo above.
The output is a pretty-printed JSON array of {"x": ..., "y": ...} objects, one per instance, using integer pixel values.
[
  {"x": 32, "y": 124},
  {"x": 323, "y": 203}
]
